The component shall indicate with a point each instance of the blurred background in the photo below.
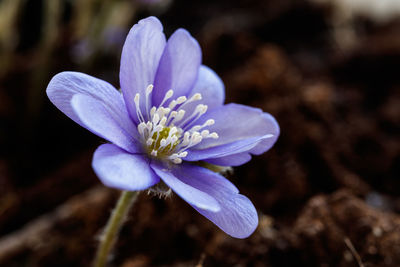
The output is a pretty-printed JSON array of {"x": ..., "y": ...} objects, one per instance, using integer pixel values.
[{"x": 328, "y": 193}]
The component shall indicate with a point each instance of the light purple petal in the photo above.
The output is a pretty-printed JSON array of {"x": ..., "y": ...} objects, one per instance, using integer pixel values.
[
  {"x": 270, "y": 124},
  {"x": 140, "y": 57},
  {"x": 179, "y": 66},
  {"x": 210, "y": 86},
  {"x": 238, "y": 127},
  {"x": 119, "y": 169},
  {"x": 94, "y": 115},
  {"x": 190, "y": 194},
  {"x": 224, "y": 150},
  {"x": 66, "y": 84},
  {"x": 232, "y": 160},
  {"x": 237, "y": 216},
  {"x": 235, "y": 122}
]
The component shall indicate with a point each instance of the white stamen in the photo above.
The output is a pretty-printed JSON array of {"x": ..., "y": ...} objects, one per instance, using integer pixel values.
[
  {"x": 200, "y": 110},
  {"x": 177, "y": 161},
  {"x": 195, "y": 97},
  {"x": 149, "y": 126},
  {"x": 172, "y": 104},
  {"x": 152, "y": 111},
  {"x": 141, "y": 128},
  {"x": 209, "y": 122},
  {"x": 205, "y": 133},
  {"x": 172, "y": 131},
  {"x": 173, "y": 156},
  {"x": 181, "y": 99},
  {"x": 199, "y": 127},
  {"x": 137, "y": 105},
  {"x": 136, "y": 100},
  {"x": 163, "y": 121},
  {"x": 183, "y": 154},
  {"x": 166, "y": 97},
  {"x": 178, "y": 101},
  {"x": 196, "y": 140},
  {"x": 171, "y": 116},
  {"x": 164, "y": 131},
  {"x": 174, "y": 139},
  {"x": 186, "y": 139},
  {"x": 213, "y": 135},
  {"x": 178, "y": 116},
  {"x": 163, "y": 142},
  {"x": 149, "y": 89},
  {"x": 156, "y": 118},
  {"x": 149, "y": 142}
]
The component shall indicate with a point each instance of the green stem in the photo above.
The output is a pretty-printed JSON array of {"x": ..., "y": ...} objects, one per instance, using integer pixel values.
[{"x": 113, "y": 226}]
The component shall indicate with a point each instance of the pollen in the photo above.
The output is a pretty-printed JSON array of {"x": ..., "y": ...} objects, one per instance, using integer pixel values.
[
  {"x": 159, "y": 140},
  {"x": 168, "y": 131}
]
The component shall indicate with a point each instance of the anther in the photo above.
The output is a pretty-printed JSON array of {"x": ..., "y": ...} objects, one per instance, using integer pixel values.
[
  {"x": 163, "y": 142},
  {"x": 149, "y": 142},
  {"x": 141, "y": 128},
  {"x": 209, "y": 122},
  {"x": 156, "y": 118},
  {"x": 149, "y": 125},
  {"x": 166, "y": 97},
  {"x": 202, "y": 108},
  {"x": 186, "y": 139},
  {"x": 149, "y": 89},
  {"x": 183, "y": 154},
  {"x": 205, "y": 133},
  {"x": 163, "y": 121},
  {"x": 213, "y": 135},
  {"x": 153, "y": 111},
  {"x": 137, "y": 105},
  {"x": 174, "y": 139},
  {"x": 196, "y": 96},
  {"x": 172, "y": 131},
  {"x": 136, "y": 99},
  {"x": 169, "y": 94},
  {"x": 181, "y": 99},
  {"x": 158, "y": 131},
  {"x": 179, "y": 116},
  {"x": 177, "y": 161}
]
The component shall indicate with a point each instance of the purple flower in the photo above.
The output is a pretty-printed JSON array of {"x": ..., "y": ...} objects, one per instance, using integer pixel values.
[{"x": 169, "y": 116}]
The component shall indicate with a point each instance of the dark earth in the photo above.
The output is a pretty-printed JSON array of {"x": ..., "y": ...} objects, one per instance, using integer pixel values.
[{"x": 327, "y": 194}]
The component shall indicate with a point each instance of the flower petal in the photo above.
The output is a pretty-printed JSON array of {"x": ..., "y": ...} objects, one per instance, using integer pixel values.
[
  {"x": 238, "y": 127},
  {"x": 270, "y": 124},
  {"x": 66, "y": 84},
  {"x": 179, "y": 66},
  {"x": 140, "y": 57},
  {"x": 98, "y": 119},
  {"x": 211, "y": 88},
  {"x": 245, "y": 145},
  {"x": 232, "y": 160},
  {"x": 237, "y": 216},
  {"x": 119, "y": 169},
  {"x": 190, "y": 194}
]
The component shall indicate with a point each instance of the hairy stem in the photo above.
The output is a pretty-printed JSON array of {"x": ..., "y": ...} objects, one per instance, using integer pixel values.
[{"x": 113, "y": 226}]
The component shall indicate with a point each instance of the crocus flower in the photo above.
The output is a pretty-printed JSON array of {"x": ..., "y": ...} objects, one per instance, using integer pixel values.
[{"x": 169, "y": 116}]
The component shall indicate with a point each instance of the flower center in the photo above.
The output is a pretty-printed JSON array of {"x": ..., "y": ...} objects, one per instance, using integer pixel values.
[{"x": 168, "y": 132}]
